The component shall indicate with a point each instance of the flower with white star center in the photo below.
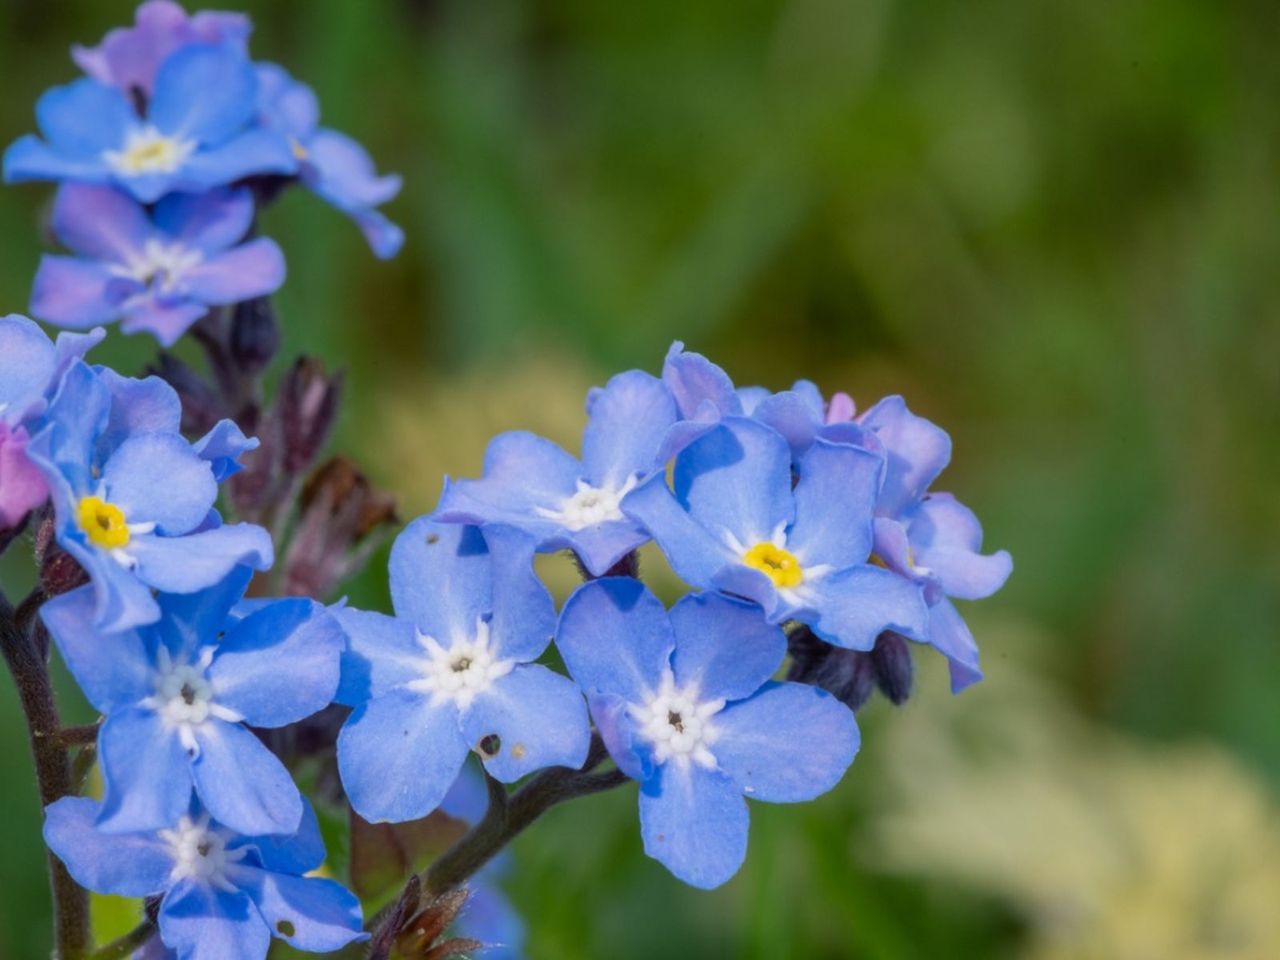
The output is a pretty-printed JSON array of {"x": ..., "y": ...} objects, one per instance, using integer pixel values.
[
  {"x": 184, "y": 696},
  {"x": 200, "y": 853},
  {"x": 179, "y": 698},
  {"x": 147, "y": 150},
  {"x": 215, "y": 892},
  {"x": 160, "y": 266},
  {"x": 590, "y": 506},
  {"x": 741, "y": 518},
  {"x": 564, "y": 502},
  {"x": 685, "y": 704},
  {"x": 463, "y": 671},
  {"x": 678, "y": 725},
  {"x": 452, "y": 673}
]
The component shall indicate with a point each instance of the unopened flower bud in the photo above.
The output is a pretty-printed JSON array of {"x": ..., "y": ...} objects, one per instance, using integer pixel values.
[
  {"x": 307, "y": 408},
  {"x": 255, "y": 335},
  {"x": 848, "y": 675},
  {"x": 894, "y": 668}
]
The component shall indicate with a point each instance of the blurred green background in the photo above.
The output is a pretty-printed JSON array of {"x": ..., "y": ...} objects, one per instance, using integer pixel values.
[{"x": 1051, "y": 226}]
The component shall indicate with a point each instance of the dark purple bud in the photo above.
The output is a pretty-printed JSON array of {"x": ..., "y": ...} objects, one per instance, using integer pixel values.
[
  {"x": 847, "y": 675},
  {"x": 59, "y": 571},
  {"x": 307, "y": 407},
  {"x": 255, "y": 335},
  {"x": 340, "y": 511},
  {"x": 201, "y": 405},
  {"x": 894, "y": 667}
]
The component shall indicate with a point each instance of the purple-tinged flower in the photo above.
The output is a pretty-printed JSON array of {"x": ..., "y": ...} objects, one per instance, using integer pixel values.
[
  {"x": 705, "y": 393},
  {"x": 531, "y": 484},
  {"x": 128, "y": 57},
  {"x": 195, "y": 133},
  {"x": 179, "y": 697},
  {"x": 685, "y": 704},
  {"x": 133, "y": 499},
  {"x": 736, "y": 524},
  {"x": 31, "y": 367},
  {"x": 930, "y": 539},
  {"x": 452, "y": 672},
  {"x": 331, "y": 164},
  {"x": 225, "y": 894},
  {"x": 157, "y": 272}
]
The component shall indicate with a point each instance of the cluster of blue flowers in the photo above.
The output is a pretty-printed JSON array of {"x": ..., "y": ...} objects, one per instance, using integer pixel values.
[
  {"x": 806, "y": 531},
  {"x": 163, "y": 150}
]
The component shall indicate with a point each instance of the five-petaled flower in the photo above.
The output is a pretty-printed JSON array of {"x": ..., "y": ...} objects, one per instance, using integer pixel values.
[
  {"x": 735, "y": 523},
  {"x": 105, "y": 443},
  {"x": 531, "y": 484},
  {"x": 178, "y": 696},
  {"x": 158, "y": 272},
  {"x": 451, "y": 672},
  {"x": 224, "y": 893},
  {"x": 194, "y": 134},
  {"x": 685, "y": 704}
]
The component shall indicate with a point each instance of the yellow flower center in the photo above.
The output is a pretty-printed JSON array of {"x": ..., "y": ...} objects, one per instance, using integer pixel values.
[
  {"x": 103, "y": 523},
  {"x": 147, "y": 150},
  {"x": 777, "y": 564},
  {"x": 300, "y": 153}
]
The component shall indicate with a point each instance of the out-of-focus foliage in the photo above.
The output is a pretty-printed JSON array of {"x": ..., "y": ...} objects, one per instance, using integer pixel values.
[{"x": 1052, "y": 226}]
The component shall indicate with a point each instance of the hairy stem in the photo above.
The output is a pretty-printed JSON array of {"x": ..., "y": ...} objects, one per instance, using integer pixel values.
[
  {"x": 53, "y": 768},
  {"x": 125, "y": 946}
]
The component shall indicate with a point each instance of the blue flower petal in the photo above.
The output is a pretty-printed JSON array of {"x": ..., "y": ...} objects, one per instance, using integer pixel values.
[
  {"x": 199, "y": 617},
  {"x": 737, "y": 479},
  {"x": 84, "y": 118},
  {"x": 199, "y": 560},
  {"x": 210, "y": 222},
  {"x": 223, "y": 446},
  {"x": 787, "y": 744},
  {"x": 167, "y": 322},
  {"x": 78, "y": 294},
  {"x": 630, "y": 751},
  {"x": 299, "y": 852},
  {"x": 398, "y": 756},
  {"x": 524, "y": 615},
  {"x": 26, "y": 365},
  {"x": 145, "y": 772},
  {"x": 791, "y": 415},
  {"x": 145, "y": 405},
  {"x": 296, "y": 636},
  {"x": 308, "y": 913},
  {"x": 382, "y": 653},
  {"x": 615, "y": 638},
  {"x": 947, "y": 539},
  {"x": 30, "y": 158},
  {"x": 539, "y": 718},
  {"x": 856, "y": 605},
  {"x": 242, "y": 783},
  {"x": 724, "y": 647},
  {"x": 250, "y": 154},
  {"x": 201, "y": 922},
  {"x": 835, "y": 502},
  {"x": 694, "y": 822},
  {"x": 441, "y": 578},
  {"x": 253, "y": 269},
  {"x": 126, "y": 865},
  {"x": 917, "y": 451},
  {"x": 694, "y": 554},
  {"x": 100, "y": 222},
  {"x": 694, "y": 380},
  {"x": 950, "y": 635},
  {"x": 603, "y": 545},
  {"x": 628, "y": 420},
  {"x": 176, "y": 505},
  {"x": 112, "y": 671},
  {"x": 204, "y": 92}
]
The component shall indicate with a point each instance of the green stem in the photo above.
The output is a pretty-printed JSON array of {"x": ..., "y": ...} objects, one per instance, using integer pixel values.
[
  {"x": 125, "y": 946},
  {"x": 53, "y": 769}
]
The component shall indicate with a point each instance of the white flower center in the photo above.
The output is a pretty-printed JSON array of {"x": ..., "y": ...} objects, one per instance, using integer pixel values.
[
  {"x": 160, "y": 265},
  {"x": 184, "y": 697},
  {"x": 147, "y": 150},
  {"x": 678, "y": 725},
  {"x": 463, "y": 671},
  {"x": 200, "y": 853},
  {"x": 590, "y": 506}
]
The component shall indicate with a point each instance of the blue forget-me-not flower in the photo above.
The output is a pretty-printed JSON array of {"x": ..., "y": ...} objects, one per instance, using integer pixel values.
[
  {"x": 179, "y": 697},
  {"x": 451, "y": 672},
  {"x": 224, "y": 893},
  {"x": 685, "y": 704}
]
